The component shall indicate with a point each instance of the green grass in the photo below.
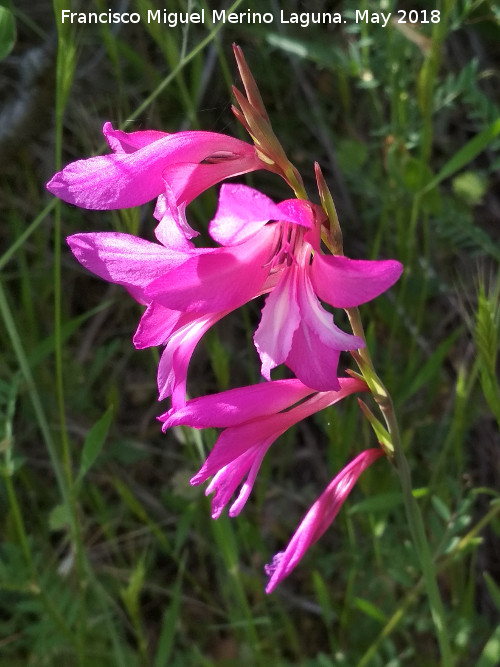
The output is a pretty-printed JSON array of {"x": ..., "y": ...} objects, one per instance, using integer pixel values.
[{"x": 108, "y": 556}]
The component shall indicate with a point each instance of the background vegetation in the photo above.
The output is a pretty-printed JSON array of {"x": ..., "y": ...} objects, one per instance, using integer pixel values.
[{"x": 108, "y": 555}]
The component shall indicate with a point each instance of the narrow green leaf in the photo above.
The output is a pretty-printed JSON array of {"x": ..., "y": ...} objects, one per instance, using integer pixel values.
[
  {"x": 169, "y": 624},
  {"x": 441, "y": 509},
  {"x": 382, "y": 502},
  {"x": 59, "y": 517},
  {"x": 431, "y": 368},
  {"x": 490, "y": 653},
  {"x": 7, "y": 31},
  {"x": 493, "y": 589},
  {"x": 370, "y": 609},
  {"x": 94, "y": 442},
  {"x": 466, "y": 154},
  {"x": 46, "y": 346},
  {"x": 323, "y": 595}
]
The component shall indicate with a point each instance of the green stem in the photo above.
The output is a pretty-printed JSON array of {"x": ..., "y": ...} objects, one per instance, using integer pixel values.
[
  {"x": 420, "y": 541},
  {"x": 65, "y": 64},
  {"x": 413, "y": 514},
  {"x": 19, "y": 523}
]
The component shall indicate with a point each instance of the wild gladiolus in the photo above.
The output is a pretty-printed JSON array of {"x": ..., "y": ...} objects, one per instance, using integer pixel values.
[
  {"x": 253, "y": 418},
  {"x": 148, "y": 164},
  {"x": 282, "y": 256}
]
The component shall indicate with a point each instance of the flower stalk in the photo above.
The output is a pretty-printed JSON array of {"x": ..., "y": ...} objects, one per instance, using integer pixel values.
[{"x": 396, "y": 454}]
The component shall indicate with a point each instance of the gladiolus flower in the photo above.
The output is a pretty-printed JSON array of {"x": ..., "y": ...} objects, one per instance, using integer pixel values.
[
  {"x": 144, "y": 165},
  {"x": 270, "y": 247},
  {"x": 253, "y": 418},
  {"x": 133, "y": 262},
  {"x": 319, "y": 518},
  {"x": 136, "y": 264},
  {"x": 188, "y": 289}
]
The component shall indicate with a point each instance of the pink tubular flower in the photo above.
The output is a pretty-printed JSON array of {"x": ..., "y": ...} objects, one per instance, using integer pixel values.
[
  {"x": 276, "y": 247},
  {"x": 133, "y": 262},
  {"x": 144, "y": 165},
  {"x": 253, "y": 418},
  {"x": 319, "y": 517}
]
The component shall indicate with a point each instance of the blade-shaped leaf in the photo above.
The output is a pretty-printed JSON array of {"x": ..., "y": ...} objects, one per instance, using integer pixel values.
[{"x": 94, "y": 442}]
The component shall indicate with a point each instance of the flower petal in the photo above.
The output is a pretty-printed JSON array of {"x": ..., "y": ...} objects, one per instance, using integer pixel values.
[
  {"x": 236, "y": 440},
  {"x": 188, "y": 179},
  {"x": 346, "y": 283},
  {"x": 317, "y": 342},
  {"x": 280, "y": 319},
  {"x": 157, "y": 324},
  {"x": 241, "y": 212},
  {"x": 319, "y": 518},
  {"x": 174, "y": 362},
  {"x": 216, "y": 279},
  {"x": 173, "y": 230},
  {"x": 129, "y": 142},
  {"x": 227, "y": 479},
  {"x": 124, "y": 259},
  {"x": 301, "y": 212},
  {"x": 122, "y": 179},
  {"x": 236, "y": 406}
]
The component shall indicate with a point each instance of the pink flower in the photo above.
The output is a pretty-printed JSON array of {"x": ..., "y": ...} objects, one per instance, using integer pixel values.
[
  {"x": 253, "y": 417},
  {"x": 136, "y": 263},
  {"x": 282, "y": 257},
  {"x": 188, "y": 289},
  {"x": 133, "y": 262},
  {"x": 145, "y": 165},
  {"x": 319, "y": 517}
]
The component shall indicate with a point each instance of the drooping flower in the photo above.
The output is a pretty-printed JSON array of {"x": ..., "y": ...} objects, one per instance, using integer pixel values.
[
  {"x": 282, "y": 255},
  {"x": 145, "y": 165},
  {"x": 253, "y": 418},
  {"x": 319, "y": 517}
]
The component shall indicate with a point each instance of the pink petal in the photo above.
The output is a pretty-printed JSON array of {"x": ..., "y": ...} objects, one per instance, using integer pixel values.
[
  {"x": 189, "y": 179},
  {"x": 280, "y": 319},
  {"x": 301, "y": 212},
  {"x": 226, "y": 481},
  {"x": 124, "y": 259},
  {"x": 173, "y": 230},
  {"x": 247, "y": 486},
  {"x": 317, "y": 342},
  {"x": 217, "y": 278},
  {"x": 173, "y": 366},
  {"x": 129, "y": 142},
  {"x": 241, "y": 212},
  {"x": 346, "y": 283},
  {"x": 157, "y": 324},
  {"x": 122, "y": 180},
  {"x": 236, "y": 440},
  {"x": 235, "y": 406},
  {"x": 319, "y": 517}
]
